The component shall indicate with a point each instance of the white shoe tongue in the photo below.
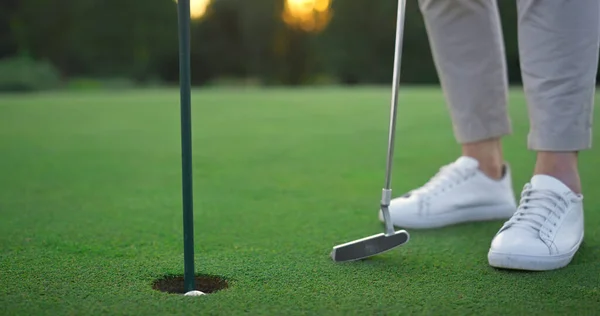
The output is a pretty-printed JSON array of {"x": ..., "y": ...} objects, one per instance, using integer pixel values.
[
  {"x": 464, "y": 162},
  {"x": 544, "y": 182}
]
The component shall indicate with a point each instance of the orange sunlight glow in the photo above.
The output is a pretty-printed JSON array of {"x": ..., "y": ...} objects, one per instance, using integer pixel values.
[
  {"x": 308, "y": 15},
  {"x": 198, "y": 8}
]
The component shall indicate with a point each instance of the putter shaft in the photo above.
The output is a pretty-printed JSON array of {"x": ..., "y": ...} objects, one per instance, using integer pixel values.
[{"x": 386, "y": 195}]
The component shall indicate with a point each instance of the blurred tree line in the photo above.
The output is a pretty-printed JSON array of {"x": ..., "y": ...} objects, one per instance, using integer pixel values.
[{"x": 235, "y": 39}]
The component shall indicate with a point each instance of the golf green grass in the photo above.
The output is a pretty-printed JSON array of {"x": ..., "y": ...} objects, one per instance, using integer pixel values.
[{"x": 91, "y": 214}]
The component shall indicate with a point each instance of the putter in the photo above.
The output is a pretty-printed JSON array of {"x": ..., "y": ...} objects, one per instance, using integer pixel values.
[{"x": 390, "y": 239}]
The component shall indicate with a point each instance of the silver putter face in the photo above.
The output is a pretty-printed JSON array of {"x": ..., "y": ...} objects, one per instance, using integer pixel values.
[{"x": 368, "y": 246}]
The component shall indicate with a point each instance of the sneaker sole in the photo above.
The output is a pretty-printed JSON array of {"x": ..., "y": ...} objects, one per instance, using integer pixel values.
[
  {"x": 455, "y": 217},
  {"x": 531, "y": 263}
]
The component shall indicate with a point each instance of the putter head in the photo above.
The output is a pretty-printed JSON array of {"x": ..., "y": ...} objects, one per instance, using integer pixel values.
[{"x": 369, "y": 246}]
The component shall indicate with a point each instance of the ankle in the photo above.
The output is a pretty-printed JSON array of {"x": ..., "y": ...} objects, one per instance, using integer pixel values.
[
  {"x": 560, "y": 165},
  {"x": 489, "y": 155}
]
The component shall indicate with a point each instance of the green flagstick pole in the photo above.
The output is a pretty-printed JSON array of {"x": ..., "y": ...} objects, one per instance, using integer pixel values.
[{"x": 186, "y": 143}]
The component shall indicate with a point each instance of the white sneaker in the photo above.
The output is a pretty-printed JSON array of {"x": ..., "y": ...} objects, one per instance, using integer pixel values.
[
  {"x": 458, "y": 193},
  {"x": 544, "y": 233}
]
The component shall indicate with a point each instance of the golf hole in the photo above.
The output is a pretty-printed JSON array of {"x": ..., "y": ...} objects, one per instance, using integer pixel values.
[{"x": 173, "y": 284}]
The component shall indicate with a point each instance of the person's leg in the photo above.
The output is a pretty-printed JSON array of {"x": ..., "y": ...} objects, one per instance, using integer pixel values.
[
  {"x": 559, "y": 43},
  {"x": 467, "y": 46}
]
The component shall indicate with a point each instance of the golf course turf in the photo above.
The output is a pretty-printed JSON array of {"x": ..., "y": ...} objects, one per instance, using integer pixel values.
[{"x": 91, "y": 215}]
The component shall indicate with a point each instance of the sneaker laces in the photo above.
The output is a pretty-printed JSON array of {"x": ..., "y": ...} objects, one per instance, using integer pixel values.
[
  {"x": 538, "y": 208},
  {"x": 445, "y": 178}
]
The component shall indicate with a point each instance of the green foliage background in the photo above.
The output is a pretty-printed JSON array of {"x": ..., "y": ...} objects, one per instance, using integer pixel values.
[{"x": 238, "y": 41}]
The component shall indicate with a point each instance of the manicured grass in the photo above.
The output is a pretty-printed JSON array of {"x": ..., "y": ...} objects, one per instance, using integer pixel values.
[{"x": 90, "y": 207}]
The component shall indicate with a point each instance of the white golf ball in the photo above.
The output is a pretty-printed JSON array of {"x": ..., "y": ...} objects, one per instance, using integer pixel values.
[{"x": 194, "y": 293}]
